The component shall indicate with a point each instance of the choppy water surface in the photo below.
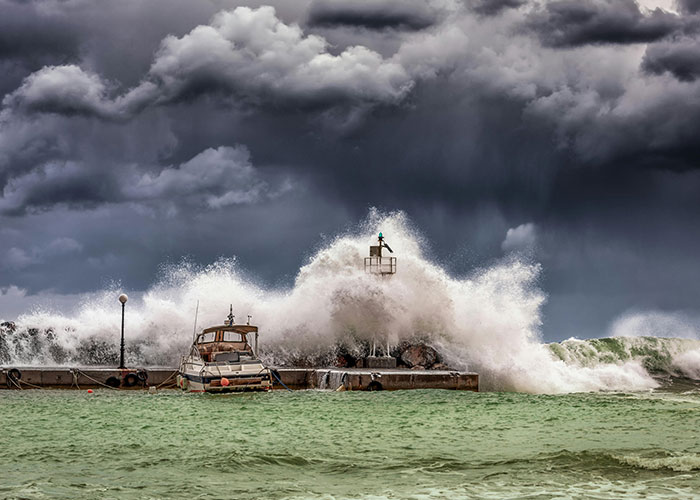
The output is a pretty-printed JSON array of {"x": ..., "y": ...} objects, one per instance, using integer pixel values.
[{"x": 312, "y": 444}]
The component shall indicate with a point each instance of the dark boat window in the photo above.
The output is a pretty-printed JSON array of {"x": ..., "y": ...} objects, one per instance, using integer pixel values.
[{"x": 228, "y": 357}]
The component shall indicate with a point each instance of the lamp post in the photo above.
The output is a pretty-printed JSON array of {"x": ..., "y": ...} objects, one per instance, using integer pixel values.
[{"x": 122, "y": 298}]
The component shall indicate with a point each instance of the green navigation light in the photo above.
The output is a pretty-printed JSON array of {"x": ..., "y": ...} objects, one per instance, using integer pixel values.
[{"x": 380, "y": 235}]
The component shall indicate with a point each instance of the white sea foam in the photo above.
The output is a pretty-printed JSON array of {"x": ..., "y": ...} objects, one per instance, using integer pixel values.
[
  {"x": 488, "y": 322},
  {"x": 677, "y": 463},
  {"x": 688, "y": 363}
]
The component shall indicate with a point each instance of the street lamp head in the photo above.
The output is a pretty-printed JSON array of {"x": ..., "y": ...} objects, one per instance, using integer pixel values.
[{"x": 123, "y": 298}]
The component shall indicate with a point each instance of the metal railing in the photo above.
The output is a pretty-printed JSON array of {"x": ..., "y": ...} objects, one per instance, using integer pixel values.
[{"x": 380, "y": 265}]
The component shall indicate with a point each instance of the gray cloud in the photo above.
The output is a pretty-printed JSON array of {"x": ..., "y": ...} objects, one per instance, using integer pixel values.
[
  {"x": 71, "y": 183},
  {"x": 18, "y": 258},
  {"x": 247, "y": 53},
  {"x": 689, "y": 6},
  {"x": 373, "y": 14},
  {"x": 253, "y": 53},
  {"x": 649, "y": 123},
  {"x": 570, "y": 23},
  {"x": 30, "y": 34},
  {"x": 681, "y": 58},
  {"x": 494, "y": 7},
  {"x": 66, "y": 90},
  {"x": 520, "y": 239},
  {"x": 213, "y": 179}
]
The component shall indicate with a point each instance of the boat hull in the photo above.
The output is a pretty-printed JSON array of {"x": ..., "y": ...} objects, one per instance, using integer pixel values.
[{"x": 191, "y": 382}]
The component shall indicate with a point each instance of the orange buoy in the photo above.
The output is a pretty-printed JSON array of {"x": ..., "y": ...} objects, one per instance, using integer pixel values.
[{"x": 225, "y": 382}]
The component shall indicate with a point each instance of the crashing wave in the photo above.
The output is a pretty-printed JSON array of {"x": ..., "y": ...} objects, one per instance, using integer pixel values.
[{"x": 488, "y": 321}]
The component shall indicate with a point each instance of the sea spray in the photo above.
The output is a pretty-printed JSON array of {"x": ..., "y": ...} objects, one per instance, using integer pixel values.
[{"x": 488, "y": 321}]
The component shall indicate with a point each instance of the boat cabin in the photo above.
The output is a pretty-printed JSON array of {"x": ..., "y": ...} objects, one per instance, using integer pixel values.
[{"x": 226, "y": 343}]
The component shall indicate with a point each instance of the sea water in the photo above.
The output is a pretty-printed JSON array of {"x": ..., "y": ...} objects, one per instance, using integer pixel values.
[{"x": 354, "y": 445}]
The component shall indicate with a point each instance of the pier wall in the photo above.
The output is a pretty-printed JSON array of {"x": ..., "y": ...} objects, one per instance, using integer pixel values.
[{"x": 294, "y": 378}]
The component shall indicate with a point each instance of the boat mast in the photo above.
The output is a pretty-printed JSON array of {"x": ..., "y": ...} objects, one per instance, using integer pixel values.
[
  {"x": 231, "y": 317},
  {"x": 194, "y": 330}
]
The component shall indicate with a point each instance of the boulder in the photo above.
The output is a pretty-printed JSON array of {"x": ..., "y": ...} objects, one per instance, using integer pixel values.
[
  {"x": 419, "y": 355},
  {"x": 345, "y": 361}
]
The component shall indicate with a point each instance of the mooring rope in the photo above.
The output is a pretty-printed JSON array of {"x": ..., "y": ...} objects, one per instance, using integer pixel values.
[
  {"x": 11, "y": 378},
  {"x": 30, "y": 385},
  {"x": 74, "y": 372},
  {"x": 164, "y": 381},
  {"x": 280, "y": 380},
  {"x": 96, "y": 381}
]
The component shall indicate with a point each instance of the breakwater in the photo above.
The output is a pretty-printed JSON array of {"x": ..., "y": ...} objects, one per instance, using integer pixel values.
[{"x": 294, "y": 378}]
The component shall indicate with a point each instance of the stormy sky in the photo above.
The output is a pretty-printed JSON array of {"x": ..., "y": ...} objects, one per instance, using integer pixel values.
[{"x": 142, "y": 132}]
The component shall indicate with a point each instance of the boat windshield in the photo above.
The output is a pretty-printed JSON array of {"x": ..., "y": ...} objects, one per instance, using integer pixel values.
[
  {"x": 221, "y": 336},
  {"x": 233, "y": 337}
]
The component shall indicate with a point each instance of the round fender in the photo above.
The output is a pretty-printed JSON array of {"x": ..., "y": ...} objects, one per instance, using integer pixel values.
[
  {"x": 131, "y": 379},
  {"x": 374, "y": 386},
  {"x": 14, "y": 374}
]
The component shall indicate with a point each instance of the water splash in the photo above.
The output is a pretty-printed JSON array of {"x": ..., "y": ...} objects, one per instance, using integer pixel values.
[{"x": 488, "y": 321}]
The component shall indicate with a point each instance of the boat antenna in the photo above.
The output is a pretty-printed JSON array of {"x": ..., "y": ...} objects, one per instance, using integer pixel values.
[
  {"x": 231, "y": 317},
  {"x": 194, "y": 330},
  {"x": 249, "y": 316}
]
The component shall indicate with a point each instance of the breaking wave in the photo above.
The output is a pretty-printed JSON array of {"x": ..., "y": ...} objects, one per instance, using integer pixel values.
[
  {"x": 677, "y": 463},
  {"x": 658, "y": 356},
  {"x": 487, "y": 322}
]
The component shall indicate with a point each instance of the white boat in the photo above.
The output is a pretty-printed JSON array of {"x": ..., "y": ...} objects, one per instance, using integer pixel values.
[{"x": 222, "y": 360}]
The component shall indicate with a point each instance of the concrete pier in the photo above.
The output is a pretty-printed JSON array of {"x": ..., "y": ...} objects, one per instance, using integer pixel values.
[{"x": 351, "y": 379}]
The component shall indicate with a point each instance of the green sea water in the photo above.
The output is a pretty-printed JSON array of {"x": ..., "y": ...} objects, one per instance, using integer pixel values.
[{"x": 327, "y": 445}]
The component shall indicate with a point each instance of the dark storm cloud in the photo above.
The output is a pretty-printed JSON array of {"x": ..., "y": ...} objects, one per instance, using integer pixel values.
[
  {"x": 689, "y": 6},
  {"x": 28, "y": 37},
  {"x": 247, "y": 53},
  {"x": 570, "y": 23},
  {"x": 681, "y": 58},
  {"x": 650, "y": 125},
  {"x": 57, "y": 183},
  {"x": 494, "y": 7},
  {"x": 373, "y": 14},
  {"x": 213, "y": 179},
  {"x": 152, "y": 132}
]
